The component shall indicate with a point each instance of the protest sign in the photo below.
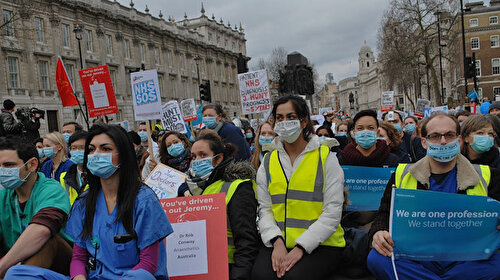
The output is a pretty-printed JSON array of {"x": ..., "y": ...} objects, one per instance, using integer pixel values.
[
  {"x": 324, "y": 110},
  {"x": 165, "y": 181},
  {"x": 98, "y": 91},
  {"x": 387, "y": 101},
  {"x": 254, "y": 92},
  {"x": 124, "y": 124},
  {"x": 366, "y": 186},
  {"x": 437, "y": 226},
  {"x": 188, "y": 109},
  {"x": 198, "y": 247},
  {"x": 146, "y": 95},
  {"x": 199, "y": 116},
  {"x": 429, "y": 111},
  {"x": 171, "y": 117},
  {"x": 319, "y": 118},
  {"x": 421, "y": 105}
]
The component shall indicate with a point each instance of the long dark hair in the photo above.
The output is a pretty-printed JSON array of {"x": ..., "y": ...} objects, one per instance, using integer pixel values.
[
  {"x": 129, "y": 183},
  {"x": 302, "y": 110},
  {"x": 164, "y": 155},
  {"x": 216, "y": 144}
]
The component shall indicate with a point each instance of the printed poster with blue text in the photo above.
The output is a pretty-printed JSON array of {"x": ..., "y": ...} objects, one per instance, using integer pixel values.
[
  {"x": 366, "y": 186},
  {"x": 437, "y": 226},
  {"x": 146, "y": 95}
]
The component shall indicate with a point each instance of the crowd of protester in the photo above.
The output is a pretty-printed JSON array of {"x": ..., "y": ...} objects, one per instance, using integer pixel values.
[{"x": 74, "y": 205}]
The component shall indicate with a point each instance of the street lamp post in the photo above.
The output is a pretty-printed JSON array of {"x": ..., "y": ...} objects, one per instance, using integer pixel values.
[
  {"x": 463, "y": 44},
  {"x": 197, "y": 61},
  {"x": 78, "y": 35},
  {"x": 438, "y": 14}
]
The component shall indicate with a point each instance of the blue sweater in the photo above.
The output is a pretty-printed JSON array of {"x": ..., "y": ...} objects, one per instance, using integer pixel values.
[
  {"x": 232, "y": 134},
  {"x": 63, "y": 167}
]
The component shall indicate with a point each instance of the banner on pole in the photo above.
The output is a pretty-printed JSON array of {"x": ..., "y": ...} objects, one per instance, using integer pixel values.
[
  {"x": 188, "y": 109},
  {"x": 98, "y": 91},
  {"x": 254, "y": 92},
  {"x": 64, "y": 85},
  {"x": 146, "y": 95},
  {"x": 198, "y": 247},
  {"x": 171, "y": 117},
  {"x": 366, "y": 186},
  {"x": 437, "y": 226},
  {"x": 387, "y": 101}
]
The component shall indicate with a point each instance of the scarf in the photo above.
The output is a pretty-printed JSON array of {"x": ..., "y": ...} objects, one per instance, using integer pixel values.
[
  {"x": 181, "y": 162},
  {"x": 352, "y": 156},
  {"x": 197, "y": 184}
]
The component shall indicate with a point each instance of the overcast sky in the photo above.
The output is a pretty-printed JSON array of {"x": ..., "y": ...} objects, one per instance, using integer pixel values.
[{"x": 328, "y": 32}]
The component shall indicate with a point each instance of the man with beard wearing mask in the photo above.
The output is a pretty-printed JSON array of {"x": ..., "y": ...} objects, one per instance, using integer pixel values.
[
  {"x": 33, "y": 210},
  {"x": 444, "y": 169}
]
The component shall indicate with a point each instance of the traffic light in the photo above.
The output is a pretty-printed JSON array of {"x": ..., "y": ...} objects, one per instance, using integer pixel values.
[
  {"x": 205, "y": 94},
  {"x": 470, "y": 67}
]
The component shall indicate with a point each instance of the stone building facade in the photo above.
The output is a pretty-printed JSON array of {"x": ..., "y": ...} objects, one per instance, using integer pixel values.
[{"x": 37, "y": 32}]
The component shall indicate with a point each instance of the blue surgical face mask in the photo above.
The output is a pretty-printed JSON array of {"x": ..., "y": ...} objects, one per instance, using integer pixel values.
[
  {"x": 143, "y": 135},
  {"x": 443, "y": 153},
  {"x": 66, "y": 137},
  {"x": 410, "y": 128},
  {"x": 249, "y": 135},
  {"x": 210, "y": 122},
  {"x": 9, "y": 177},
  {"x": 482, "y": 143},
  {"x": 366, "y": 138},
  {"x": 341, "y": 134},
  {"x": 176, "y": 150},
  {"x": 40, "y": 153},
  {"x": 77, "y": 157},
  {"x": 397, "y": 126},
  {"x": 322, "y": 138},
  {"x": 263, "y": 140},
  {"x": 101, "y": 165},
  {"x": 49, "y": 152},
  {"x": 202, "y": 167}
]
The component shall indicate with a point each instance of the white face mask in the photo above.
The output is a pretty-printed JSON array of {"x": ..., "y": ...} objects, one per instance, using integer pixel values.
[{"x": 288, "y": 130}]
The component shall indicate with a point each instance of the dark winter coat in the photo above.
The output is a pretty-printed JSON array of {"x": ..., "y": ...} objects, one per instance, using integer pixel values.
[{"x": 10, "y": 126}]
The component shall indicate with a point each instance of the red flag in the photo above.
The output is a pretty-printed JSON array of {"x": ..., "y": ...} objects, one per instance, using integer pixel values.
[{"x": 64, "y": 85}]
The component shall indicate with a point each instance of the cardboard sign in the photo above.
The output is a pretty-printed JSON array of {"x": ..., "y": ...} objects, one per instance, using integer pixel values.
[
  {"x": 146, "y": 95},
  {"x": 165, "y": 181},
  {"x": 428, "y": 111},
  {"x": 421, "y": 105},
  {"x": 171, "y": 117},
  {"x": 254, "y": 92},
  {"x": 188, "y": 109},
  {"x": 438, "y": 226},
  {"x": 98, "y": 91},
  {"x": 198, "y": 247},
  {"x": 387, "y": 101}
]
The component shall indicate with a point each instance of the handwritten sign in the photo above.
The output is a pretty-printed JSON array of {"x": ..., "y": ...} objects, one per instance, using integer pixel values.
[
  {"x": 421, "y": 105},
  {"x": 165, "y": 181},
  {"x": 171, "y": 117},
  {"x": 146, "y": 95},
  {"x": 387, "y": 101},
  {"x": 188, "y": 109},
  {"x": 198, "y": 247},
  {"x": 254, "y": 92},
  {"x": 98, "y": 91}
]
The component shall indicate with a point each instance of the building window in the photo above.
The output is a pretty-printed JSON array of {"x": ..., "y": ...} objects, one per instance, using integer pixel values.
[
  {"x": 169, "y": 59},
  {"x": 112, "y": 73},
  {"x": 13, "y": 70},
  {"x": 473, "y": 22},
  {"x": 89, "y": 40},
  {"x": 480, "y": 93},
  {"x": 478, "y": 68},
  {"x": 160, "y": 83},
  {"x": 126, "y": 46},
  {"x": 143, "y": 53},
  {"x": 494, "y": 20},
  {"x": 65, "y": 36},
  {"x": 70, "y": 70},
  {"x": 39, "y": 29},
  {"x": 157, "y": 56},
  {"x": 181, "y": 61},
  {"x": 43, "y": 69},
  {"x": 494, "y": 41},
  {"x": 8, "y": 22},
  {"x": 495, "y": 66},
  {"x": 109, "y": 45},
  {"x": 474, "y": 43},
  {"x": 496, "y": 91}
]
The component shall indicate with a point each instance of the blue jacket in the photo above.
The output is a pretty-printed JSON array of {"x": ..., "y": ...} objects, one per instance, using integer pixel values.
[
  {"x": 232, "y": 134},
  {"x": 63, "y": 167}
]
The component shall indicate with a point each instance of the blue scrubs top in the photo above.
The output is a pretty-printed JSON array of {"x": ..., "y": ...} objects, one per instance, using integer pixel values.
[{"x": 113, "y": 259}]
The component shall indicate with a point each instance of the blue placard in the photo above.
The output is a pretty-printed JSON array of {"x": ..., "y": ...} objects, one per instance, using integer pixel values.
[
  {"x": 366, "y": 186},
  {"x": 145, "y": 92},
  {"x": 437, "y": 226}
]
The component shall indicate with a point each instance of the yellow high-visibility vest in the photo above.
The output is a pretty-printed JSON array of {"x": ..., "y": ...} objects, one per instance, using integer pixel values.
[
  {"x": 73, "y": 194},
  {"x": 297, "y": 202},
  {"x": 405, "y": 180}
]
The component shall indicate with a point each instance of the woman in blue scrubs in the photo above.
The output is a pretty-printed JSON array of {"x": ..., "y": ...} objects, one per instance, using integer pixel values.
[{"x": 118, "y": 225}]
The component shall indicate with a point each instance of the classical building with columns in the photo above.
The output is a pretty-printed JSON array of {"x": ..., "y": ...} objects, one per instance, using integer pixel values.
[{"x": 33, "y": 34}]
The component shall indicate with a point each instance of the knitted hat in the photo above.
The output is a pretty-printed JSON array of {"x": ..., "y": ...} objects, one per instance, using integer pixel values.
[{"x": 494, "y": 105}]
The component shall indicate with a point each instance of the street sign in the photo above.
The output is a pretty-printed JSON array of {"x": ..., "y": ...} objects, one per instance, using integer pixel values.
[
  {"x": 387, "y": 101},
  {"x": 98, "y": 91}
]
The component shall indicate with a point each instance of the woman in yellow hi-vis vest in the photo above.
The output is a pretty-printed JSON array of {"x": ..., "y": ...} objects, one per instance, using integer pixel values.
[
  {"x": 300, "y": 194},
  {"x": 213, "y": 170}
]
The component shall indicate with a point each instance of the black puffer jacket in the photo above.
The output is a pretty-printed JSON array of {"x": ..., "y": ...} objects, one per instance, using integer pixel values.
[
  {"x": 242, "y": 213},
  {"x": 10, "y": 126}
]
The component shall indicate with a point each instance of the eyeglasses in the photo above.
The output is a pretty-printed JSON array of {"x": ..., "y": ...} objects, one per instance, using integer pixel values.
[{"x": 436, "y": 137}]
